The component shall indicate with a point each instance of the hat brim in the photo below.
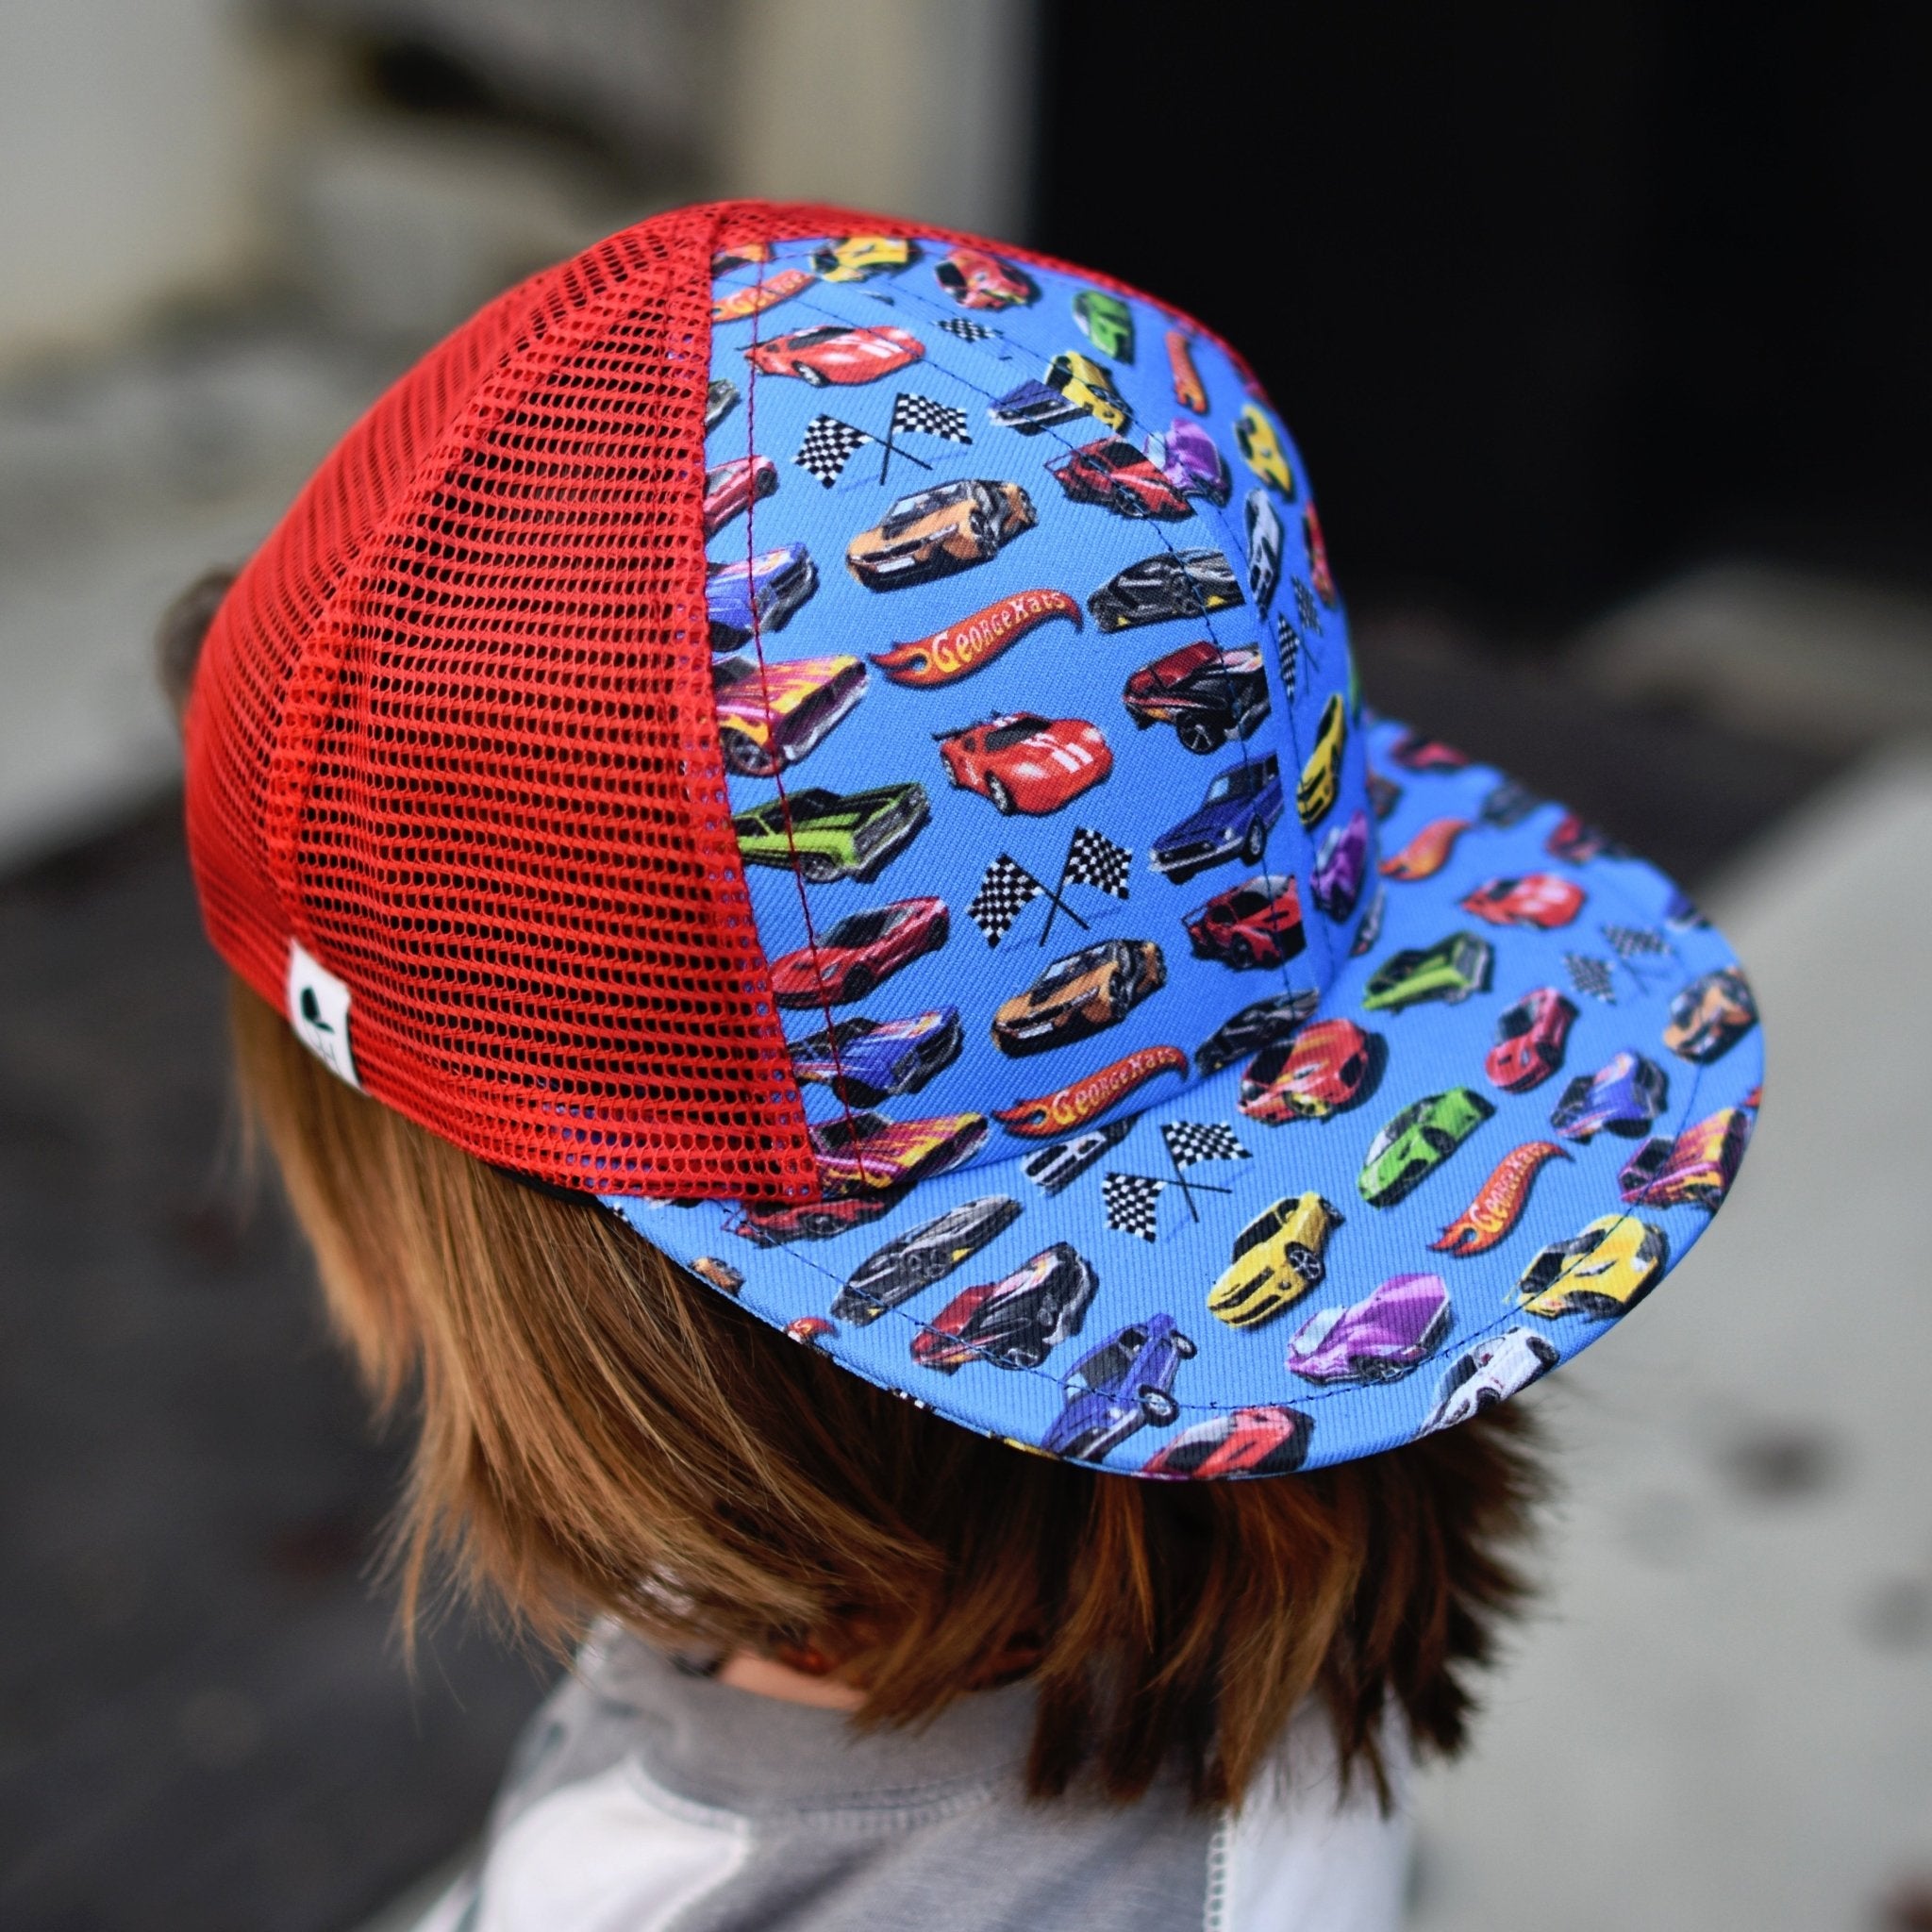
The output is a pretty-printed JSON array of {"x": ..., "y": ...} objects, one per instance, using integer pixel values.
[{"x": 1450, "y": 1330}]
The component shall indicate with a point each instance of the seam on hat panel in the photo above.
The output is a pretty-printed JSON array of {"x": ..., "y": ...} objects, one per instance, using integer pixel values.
[
  {"x": 1057, "y": 434},
  {"x": 623, "y": 267},
  {"x": 758, "y": 639}
]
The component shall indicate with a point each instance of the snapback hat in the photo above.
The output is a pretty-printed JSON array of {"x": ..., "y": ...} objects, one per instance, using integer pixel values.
[{"x": 838, "y": 739}]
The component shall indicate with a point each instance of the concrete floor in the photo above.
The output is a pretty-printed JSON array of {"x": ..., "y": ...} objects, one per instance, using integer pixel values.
[{"x": 1721, "y": 1712}]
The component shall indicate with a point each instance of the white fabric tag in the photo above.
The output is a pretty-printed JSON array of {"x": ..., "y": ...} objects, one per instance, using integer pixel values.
[{"x": 319, "y": 1011}]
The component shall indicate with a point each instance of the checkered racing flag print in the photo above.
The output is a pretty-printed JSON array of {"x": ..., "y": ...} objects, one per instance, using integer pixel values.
[
  {"x": 1306, "y": 608},
  {"x": 1287, "y": 648},
  {"x": 1591, "y": 977},
  {"x": 828, "y": 446},
  {"x": 968, "y": 331},
  {"x": 921, "y": 416},
  {"x": 1093, "y": 860},
  {"x": 1189, "y": 1142},
  {"x": 1132, "y": 1203},
  {"x": 1005, "y": 889},
  {"x": 1633, "y": 942}
]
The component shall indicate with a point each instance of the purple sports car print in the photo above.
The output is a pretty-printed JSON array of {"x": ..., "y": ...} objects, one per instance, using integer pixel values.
[
  {"x": 1341, "y": 866},
  {"x": 1623, "y": 1096},
  {"x": 1378, "y": 1340},
  {"x": 771, "y": 585},
  {"x": 865, "y": 1061}
]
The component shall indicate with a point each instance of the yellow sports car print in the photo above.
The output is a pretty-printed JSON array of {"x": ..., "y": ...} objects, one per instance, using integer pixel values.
[
  {"x": 858, "y": 258},
  {"x": 1321, "y": 774},
  {"x": 1607, "y": 1268},
  {"x": 1276, "y": 1260},
  {"x": 1261, "y": 449},
  {"x": 1083, "y": 380}
]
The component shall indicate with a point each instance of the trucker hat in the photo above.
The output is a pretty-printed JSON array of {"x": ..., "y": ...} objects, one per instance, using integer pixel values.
[{"x": 837, "y": 740}]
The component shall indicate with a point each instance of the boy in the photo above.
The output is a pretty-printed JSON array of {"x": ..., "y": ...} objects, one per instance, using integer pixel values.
[{"x": 626, "y": 1001}]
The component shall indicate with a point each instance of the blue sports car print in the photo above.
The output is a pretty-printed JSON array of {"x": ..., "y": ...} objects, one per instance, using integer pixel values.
[
  {"x": 1122, "y": 1386},
  {"x": 1623, "y": 1096},
  {"x": 865, "y": 1061},
  {"x": 1234, "y": 820},
  {"x": 772, "y": 585}
]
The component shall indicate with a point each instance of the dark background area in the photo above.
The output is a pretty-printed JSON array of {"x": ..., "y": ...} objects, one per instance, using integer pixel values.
[{"x": 1561, "y": 296}]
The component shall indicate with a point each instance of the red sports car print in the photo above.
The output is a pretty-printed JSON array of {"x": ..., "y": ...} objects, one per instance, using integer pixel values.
[
  {"x": 835, "y": 353},
  {"x": 861, "y": 952},
  {"x": 1415, "y": 753},
  {"x": 1325, "y": 1068},
  {"x": 1026, "y": 763},
  {"x": 1112, "y": 471},
  {"x": 1530, "y": 1038},
  {"x": 976, "y": 279},
  {"x": 1319, "y": 573},
  {"x": 732, "y": 488},
  {"x": 1257, "y": 923},
  {"x": 1538, "y": 898}
]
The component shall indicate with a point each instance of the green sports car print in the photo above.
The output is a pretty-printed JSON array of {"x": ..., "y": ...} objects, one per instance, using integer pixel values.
[
  {"x": 1417, "y": 1141},
  {"x": 828, "y": 837},
  {"x": 1450, "y": 970}
]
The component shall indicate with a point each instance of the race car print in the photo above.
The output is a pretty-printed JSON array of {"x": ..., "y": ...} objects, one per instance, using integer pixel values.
[
  {"x": 1014, "y": 1323},
  {"x": 1107, "y": 322},
  {"x": 1276, "y": 1260},
  {"x": 1319, "y": 573},
  {"x": 733, "y": 487},
  {"x": 1695, "y": 1170},
  {"x": 1380, "y": 1340},
  {"x": 1122, "y": 1387},
  {"x": 865, "y": 1061},
  {"x": 1488, "y": 1373},
  {"x": 1206, "y": 693},
  {"x": 1158, "y": 481},
  {"x": 824, "y": 836},
  {"x": 1080, "y": 996},
  {"x": 934, "y": 532},
  {"x": 1341, "y": 866},
  {"x": 1600, "y": 1272},
  {"x": 1623, "y": 1096},
  {"x": 866, "y": 1165},
  {"x": 1538, "y": 899},
  {"x": 860, "y": 257},
  {"x": 1267, "y": 1022},
  {"x": 1321, "y": 781},
  {"x": 773, "y": 716},
  {"x": 860, "y": 952},
  {"x": 1417, "y": 1141},
  {"x": 1171, "y": 583},
  {"x": 1260, "y": 448},
  {"x": 1263, "y": 527},
  {"x": 1710, "y": 1015},
  {"x": 976, "y": 279},
  {"x": 1242, "y": 805},
  {"x": 1322, "y": 1070},
  {"x": 1451, "y": 970},
  {"x": 758, "y": 593},
  {"x": 1264, "y": 1438},
  {"x": 1531, "y": 1034},
  {"x": 911, "y": 1262},
  {"x": 1256, "y": 923},
  {"x": 1022, "y": 762},
  {"x": 834, "y": 354}
]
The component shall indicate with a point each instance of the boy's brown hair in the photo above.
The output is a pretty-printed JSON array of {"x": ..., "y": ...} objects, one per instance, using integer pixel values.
[{"x": 598, "y": 1434}]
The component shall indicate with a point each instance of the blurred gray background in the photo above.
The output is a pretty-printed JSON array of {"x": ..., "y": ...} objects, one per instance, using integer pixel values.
[{"x": 1604, "y": 330}]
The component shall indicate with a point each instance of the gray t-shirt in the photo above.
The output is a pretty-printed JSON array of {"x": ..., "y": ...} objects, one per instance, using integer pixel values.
[{"x": 646, "y": 1797}]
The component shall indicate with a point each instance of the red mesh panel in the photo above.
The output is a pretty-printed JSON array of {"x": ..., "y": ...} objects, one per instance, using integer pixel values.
[{"x": 454, "y": 732}]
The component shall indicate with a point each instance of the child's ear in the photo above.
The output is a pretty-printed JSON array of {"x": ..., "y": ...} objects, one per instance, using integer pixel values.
[{"x": 182, "y": 628}]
